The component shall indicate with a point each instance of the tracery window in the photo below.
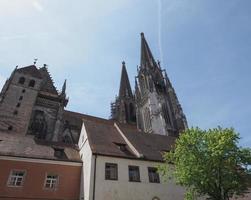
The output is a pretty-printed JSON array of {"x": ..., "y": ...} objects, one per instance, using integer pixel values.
[
  {"x": 147, "y": 119},
  {"x": 166, "y": 115}
]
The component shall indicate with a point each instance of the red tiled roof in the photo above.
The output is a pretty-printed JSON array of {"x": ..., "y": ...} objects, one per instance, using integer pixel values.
[{"x": 103, "y": 137}]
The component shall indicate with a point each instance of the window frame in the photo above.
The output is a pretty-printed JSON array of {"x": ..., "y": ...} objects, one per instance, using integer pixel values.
[
  {"x": 21, "y": 80},
  {"x": 32, "y": 83},
  {"x": 16, "y": 177},
  {"x": 152, "y": 177},
  {"x": 131, "y": 179},
  {"x": 116, "y": 171},
  {"x": 56, "y": 183}
]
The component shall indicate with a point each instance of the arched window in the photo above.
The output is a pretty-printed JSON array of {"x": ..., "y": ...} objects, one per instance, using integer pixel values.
[
  {"x": 147, "y": 119},
  {"x": 67, "y": 139},
  {"x": 166, "y": 114},
  {"x": 32, "y": 83},
  {"x": 21, "y": 80}
]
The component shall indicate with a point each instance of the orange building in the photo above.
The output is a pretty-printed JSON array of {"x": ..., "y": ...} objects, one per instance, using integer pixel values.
[{"x": 30, "y": 170}]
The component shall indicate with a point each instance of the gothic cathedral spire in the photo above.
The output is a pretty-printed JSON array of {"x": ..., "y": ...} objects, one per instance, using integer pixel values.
[
  {"x": 157, "y": 107},
  {"x": 123, "y": 109}
]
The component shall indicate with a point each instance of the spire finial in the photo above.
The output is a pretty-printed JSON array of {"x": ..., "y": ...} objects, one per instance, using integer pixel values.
[
  {"x": 64, "y": 88},
  {"x": 35, "y": 61},
  {"x": 123, "y": 63},
  {"x": 142, "y": 34}
]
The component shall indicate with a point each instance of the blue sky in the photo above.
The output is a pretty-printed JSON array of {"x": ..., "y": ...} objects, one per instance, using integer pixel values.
[{"x": 205, "y": 46}]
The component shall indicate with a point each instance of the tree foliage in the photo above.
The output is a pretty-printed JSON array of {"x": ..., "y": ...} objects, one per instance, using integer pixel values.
[{"x": 210, "y": 163}]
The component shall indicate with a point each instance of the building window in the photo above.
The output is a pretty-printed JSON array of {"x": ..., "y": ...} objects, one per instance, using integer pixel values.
[
  {"x": 21, "y": 80},
  {"x": 153, "y": 175},
  {"x": 51, "y": 181},
  {"x": 18, "y": 105},
  {"x": 134, "y": 175},
  {"x": 10, "y": 128},
  {"x": 20, "y": 98},
  {"x": 16, "y": 178},
  {"x": 147, "y": 119},
  {"x": 32, "y": 83},
  {"x": 15, "y": 112},
  {"x": 111, "y": 171},
  {"x": 166, "y": 114},
  {"x": 23, "y": 91}
]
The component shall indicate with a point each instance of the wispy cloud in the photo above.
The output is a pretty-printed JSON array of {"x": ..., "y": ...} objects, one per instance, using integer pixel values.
[{"x": 38, "y": 6}]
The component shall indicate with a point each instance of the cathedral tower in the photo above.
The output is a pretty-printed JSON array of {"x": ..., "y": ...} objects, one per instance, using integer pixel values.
[
  {"x": 158, "y": 110},
  {"x": 30, "y": 104},
  {"x": 123, "y": 109}
]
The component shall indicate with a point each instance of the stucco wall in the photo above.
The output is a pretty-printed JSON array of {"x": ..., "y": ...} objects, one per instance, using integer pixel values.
[
  {"x": 86, "y": 191},
  {"x": 122, "y": 189},
  {"x": 33, "y": 187}
]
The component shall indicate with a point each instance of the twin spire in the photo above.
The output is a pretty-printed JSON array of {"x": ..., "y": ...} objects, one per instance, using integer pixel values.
[
  {"x": 146, "y": 60},
  {"x": 125, "y": 87}
]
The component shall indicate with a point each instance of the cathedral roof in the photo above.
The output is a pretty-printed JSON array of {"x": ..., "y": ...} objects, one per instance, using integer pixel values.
[
  {"x": 30, "y": 70},
  {"x": 47, "y": 84}
]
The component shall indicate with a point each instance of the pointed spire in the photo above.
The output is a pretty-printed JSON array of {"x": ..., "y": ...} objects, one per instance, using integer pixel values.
[
  {"x": 147, "y": 59},
  {"x": 125, "y": 87},
  {"x": 64, "y": 88}
]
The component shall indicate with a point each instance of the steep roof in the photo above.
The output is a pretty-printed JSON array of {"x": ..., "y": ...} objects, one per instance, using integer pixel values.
[
  {"x": 47, "y": 84},
  {"x": 19, "y": 146},
  {"x": 30, "y": 70},
  {"x": 105, "y": 139}
]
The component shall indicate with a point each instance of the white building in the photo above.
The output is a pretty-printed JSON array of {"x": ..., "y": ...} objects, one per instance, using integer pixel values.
[{"x": 119, "y": 163}]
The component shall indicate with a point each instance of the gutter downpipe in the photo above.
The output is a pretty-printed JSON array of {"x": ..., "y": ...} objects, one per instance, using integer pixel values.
[{"x": 94, "y": 177}]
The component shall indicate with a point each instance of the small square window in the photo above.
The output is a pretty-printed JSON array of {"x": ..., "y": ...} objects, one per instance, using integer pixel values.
[
  {"x": 16, "y": 178},
  {"x": 51, "y": 181},
  {"x": 134, "y": 175},
  {"x": 153, "y": 175},
  {"x": 111, "y": 171}
]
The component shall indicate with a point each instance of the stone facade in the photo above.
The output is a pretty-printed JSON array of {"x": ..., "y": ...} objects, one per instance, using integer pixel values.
[{"x": 154, "y": 104}]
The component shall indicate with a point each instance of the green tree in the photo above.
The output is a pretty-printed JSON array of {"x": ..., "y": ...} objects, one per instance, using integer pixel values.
[{"x": 209, "y": 163}]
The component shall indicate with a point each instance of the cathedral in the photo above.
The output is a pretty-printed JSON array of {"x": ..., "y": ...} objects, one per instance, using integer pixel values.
[{"x": 48, "y": 152}]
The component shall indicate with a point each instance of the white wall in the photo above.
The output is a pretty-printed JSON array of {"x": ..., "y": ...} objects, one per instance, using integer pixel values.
[
  {"x": 86, "y": 187},
  {"x": 122, "y": 189}
]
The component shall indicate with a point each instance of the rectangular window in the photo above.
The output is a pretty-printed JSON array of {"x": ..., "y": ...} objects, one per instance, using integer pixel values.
[
  {"x": 111, "y": 171},
  {"x": 16, "y": 178},
  {"x": 153, "y": 175},
  {"x": 134, "y": 175},
  {"x": 51, "y": 181}
]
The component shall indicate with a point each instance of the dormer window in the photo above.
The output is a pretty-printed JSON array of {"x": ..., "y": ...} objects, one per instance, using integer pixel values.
[
  {"x": 32, "y": 83},
  {"x": 123, "y": 147},
  {"x": 21, "y": 80}
]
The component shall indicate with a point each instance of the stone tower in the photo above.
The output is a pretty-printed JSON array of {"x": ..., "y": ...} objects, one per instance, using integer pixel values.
[
  {"x": 158, "y": 110},
  {"x": 30, "y": 104},
  {"x": 123, "y": 109}
]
